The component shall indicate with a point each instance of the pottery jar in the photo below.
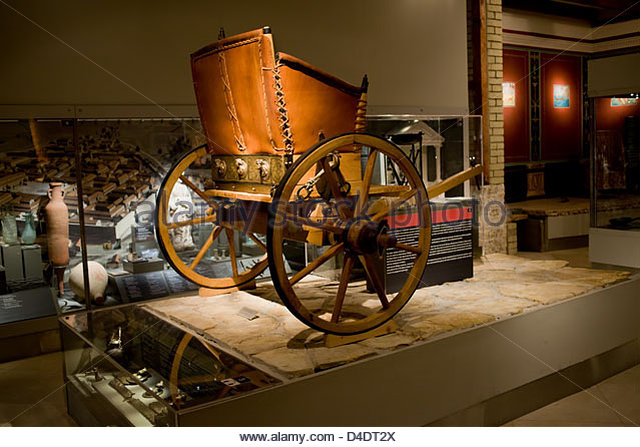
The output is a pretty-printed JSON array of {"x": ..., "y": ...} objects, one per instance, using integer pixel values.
[
  {"x": 57, "y": 216},
  {"x": 98, "y": 280}
]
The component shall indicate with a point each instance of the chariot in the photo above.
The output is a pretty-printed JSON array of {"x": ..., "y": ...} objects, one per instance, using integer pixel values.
[{"x": 287, "y": 160}]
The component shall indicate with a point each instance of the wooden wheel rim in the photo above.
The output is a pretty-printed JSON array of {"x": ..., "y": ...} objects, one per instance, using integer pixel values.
[
  {"x": 164, "y": 239},
  {"x": 275, "y": 235}
]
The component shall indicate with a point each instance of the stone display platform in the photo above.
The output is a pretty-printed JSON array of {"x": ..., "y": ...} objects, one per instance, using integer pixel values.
[{"x": 262, "y": 331}]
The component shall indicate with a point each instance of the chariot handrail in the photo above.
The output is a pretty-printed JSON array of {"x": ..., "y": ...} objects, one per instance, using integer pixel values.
[{"x": 454, "y": 180}]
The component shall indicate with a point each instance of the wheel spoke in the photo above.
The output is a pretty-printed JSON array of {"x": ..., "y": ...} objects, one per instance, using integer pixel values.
[
  {"x": 212, "y": 237},
  {"x": 258, "y": 242},
  {"x": 366, "y": 182},
  {"x": 313, "y": 223},
  {"x": 394, "y": 204},
  {"x": 188, "y": 267},
  {"x": 198, "y": 191},
  {"x": 409, "y": 248},
  {"x": 232, "y": 251},
  {"x": 370, "y": 269},
  {"x": 342, "y": 289},
  {"x": 163, "y": 208},
  {"x": 332, "y": 179},
  {"x": 324, "y": 257},
  {"x": 196, "y": 221},
  {"x": 331, "y": 311}
]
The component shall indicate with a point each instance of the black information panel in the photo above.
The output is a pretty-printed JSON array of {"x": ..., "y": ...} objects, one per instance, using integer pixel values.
[
  {"x": 150, "y": 285},
  {"x": 177, "y": 284},
  {"x": 142, "y": 286},
  {"x": 26, "y": 305},
  {"x": 451, "y": 254}
]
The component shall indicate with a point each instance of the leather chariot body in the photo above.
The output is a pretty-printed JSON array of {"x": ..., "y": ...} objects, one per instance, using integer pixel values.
[{"x": 253, "y": 101}]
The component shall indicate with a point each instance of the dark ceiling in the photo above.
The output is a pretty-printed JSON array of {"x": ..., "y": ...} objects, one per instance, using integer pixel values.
[{"x": 598, "y": 12}]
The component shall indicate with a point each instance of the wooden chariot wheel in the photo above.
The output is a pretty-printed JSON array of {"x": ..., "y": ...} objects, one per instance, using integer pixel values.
[
  {"x": 183, "y": 206},
  {"x": 352, "y": 217}
]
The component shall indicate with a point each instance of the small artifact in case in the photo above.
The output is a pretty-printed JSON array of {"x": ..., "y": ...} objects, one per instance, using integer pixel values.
[{"x": 143, "y": 265}]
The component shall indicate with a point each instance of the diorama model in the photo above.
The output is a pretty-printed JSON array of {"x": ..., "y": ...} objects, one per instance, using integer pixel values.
[{"x": 286, "y": 157}]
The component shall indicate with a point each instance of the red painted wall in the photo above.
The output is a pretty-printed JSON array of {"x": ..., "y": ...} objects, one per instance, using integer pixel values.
[
  {"x": 516, "y": 119},
  {"x": 612, "y": 118},
  {"x": 560, "y": 127}
]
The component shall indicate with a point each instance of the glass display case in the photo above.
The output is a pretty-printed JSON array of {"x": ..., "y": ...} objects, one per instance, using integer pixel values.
[
  {"x": 122, "y": 163},
  {"x": 123, "y": 364},
  {"x": 615, "y": 187},
  {"x": 126, "y": 366},
  {"x": 438, "y": 146}
]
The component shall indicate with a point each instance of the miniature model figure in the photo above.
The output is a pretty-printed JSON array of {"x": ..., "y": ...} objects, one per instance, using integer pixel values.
[{"x": 181, "y": 209}]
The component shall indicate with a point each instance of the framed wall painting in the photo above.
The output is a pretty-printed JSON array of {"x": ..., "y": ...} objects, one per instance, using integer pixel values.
[
  {"x": 617, "y": 102},
  {"x": 561, "y": 96},
  {"x": 508, "y": 94}
]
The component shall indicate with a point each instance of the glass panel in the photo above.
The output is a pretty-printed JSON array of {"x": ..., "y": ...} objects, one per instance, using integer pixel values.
[
  {"x": 157, "y": 359},
  {"x": 439, "y": 146},
  {"x": 616, "y": 185},
  {"x": 100, "y": 392},
  {"x": 38, "y": 172}
]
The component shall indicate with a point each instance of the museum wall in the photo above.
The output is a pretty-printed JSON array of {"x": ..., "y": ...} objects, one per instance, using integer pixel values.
[
  {"x": 516, "y": 116},
  {"x": 610, "y": 117},
  {"x": 544, "y": 142},
  {"x": 561, "y": 124},
  {"x": 614, "y": 75},
  {"x": 574, "y": 34},
  {"x": 561, "y": 134},
  {"x": 571, "y": 52},
  {"x": 413, "y": 51}
]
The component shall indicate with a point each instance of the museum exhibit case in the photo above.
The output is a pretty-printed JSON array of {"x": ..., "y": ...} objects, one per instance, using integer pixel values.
[
  {"x": 615, "y": 203},
  {"x": 122, "y": 164},
  {"x": 127, "y": 367},
  {"x": 103, "y": 334},
  {"x": 43, "y": 241}
]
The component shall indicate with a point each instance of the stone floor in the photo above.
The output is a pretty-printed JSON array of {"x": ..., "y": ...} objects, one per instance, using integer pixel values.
[
  {"x": 502, "y": 286},
  {"x": 611, "y": 403},
  {"x": 33, "y": 392}
]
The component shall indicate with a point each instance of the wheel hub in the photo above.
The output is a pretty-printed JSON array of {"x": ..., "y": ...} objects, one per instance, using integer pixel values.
[{"x": 364, "y": 236}]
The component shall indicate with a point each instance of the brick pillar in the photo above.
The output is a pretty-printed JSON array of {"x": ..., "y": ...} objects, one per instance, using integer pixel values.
[
  {"x": 485, "y": 94},
  {"x": 494, "y": 81}
]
